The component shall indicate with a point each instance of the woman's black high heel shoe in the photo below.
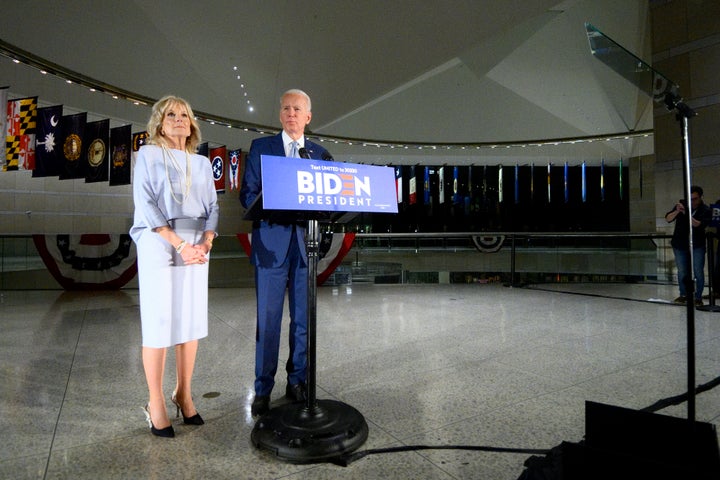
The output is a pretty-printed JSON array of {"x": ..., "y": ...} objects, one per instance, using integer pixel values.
[
  {"x": 194, "y": 420},
  {"x": 166, "y": 432}
]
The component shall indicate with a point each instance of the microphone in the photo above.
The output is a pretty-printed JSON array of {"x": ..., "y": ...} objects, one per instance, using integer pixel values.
[
  {"x": 326, "y": 156},
  {"x": 304, "y": 153}
]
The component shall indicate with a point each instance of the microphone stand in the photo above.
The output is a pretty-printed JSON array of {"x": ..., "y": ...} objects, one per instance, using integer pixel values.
[{"x": 683, "y": 114}]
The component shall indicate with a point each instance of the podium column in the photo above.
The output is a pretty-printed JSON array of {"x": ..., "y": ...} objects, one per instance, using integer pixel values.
[{"x": 316, "y": 430}]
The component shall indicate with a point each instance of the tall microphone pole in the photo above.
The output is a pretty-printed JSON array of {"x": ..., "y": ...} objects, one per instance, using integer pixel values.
[{"x": 684, "y": 112}]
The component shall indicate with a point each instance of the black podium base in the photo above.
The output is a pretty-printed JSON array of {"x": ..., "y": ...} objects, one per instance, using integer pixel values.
[{"x": 299, "y": 434}]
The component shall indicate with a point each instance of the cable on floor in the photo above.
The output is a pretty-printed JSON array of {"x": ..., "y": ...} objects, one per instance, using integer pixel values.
[{"x": 348, "y": 458}]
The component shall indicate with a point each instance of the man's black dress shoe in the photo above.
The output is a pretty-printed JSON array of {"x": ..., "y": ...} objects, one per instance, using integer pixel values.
[
  {"x": 297, "y": 392},
  {"x": 260, "y": 405}
]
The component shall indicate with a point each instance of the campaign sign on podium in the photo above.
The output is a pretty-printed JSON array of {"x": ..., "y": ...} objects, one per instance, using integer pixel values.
[{"x": 302, "y": 184}]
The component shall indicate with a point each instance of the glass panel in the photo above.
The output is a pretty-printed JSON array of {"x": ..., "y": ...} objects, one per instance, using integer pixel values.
[{"x": 643, "y": 76}]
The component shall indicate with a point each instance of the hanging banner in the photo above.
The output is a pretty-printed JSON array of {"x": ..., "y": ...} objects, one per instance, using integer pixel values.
[
  {"x": 138, "y": 140},
  {"x": 602, "y": 179},
  {"x": 120, "y": 150},
  {"x": 412, "y": 190},
  {"x": 234, "y": 168},
  {"x": 97, "y": 152},
  {"x": 426, "y": 186},
  {"x": 456, "y": 186},
  {"x": 3, "y": 122},
  {"x": 48, "y": 149},
  {"x": 218, "y": 158},
  {"x": 20, "y": 138},
  {"x": 549, "y": 165},
  {"x": 73, "y": 130},
  {"x": 441, "y": 185},
  {"x": 500, "y": 184},
  {"x": 398, "y": 184},
  {"x": 532, "y": 181}
]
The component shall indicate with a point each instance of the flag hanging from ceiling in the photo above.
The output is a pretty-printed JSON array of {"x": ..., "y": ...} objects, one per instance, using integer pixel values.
[
  {"x": 120, "y": 148},
  {"x": 565, "y": 183},
  {"x": 73, "y": 130},
  {"x": 532, "y": 181},
  {"x": 48, "y": 149},
  {"x": 138, "y": 140},
  {"x": 500, "y": 184},
  {"x": 426, "y": 186},
  {"x": 517, "y": 184},
  {"x": 620, "y": 186},
  {"x": 234, "y": 168},
  {"x": 398, "y": 184},
  {"x": 549, "y": 165},
  {"x": 602, "y": 179},
  {"x": 412, "y": 189},
  {"x": 467, "y": 201},
  {"x": 97, "y": 152},
  {"x": 20, "y": 136},
  {"x": 217, "y": 161},
  {"x": 3, "y": 121},
  {"x": 584, "y": 183},
  {"x": 456, "y": 198},
  {"x": 441, "y": 185}
]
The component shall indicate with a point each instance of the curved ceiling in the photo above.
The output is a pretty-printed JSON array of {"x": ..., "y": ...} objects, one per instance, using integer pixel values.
[{"x": 406, "y": 71}]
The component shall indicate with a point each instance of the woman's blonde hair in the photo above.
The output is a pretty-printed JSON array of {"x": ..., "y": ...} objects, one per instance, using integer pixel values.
[{"x": 154, "y": 125}]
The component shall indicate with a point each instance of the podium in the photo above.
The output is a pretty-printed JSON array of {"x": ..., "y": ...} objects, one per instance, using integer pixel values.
[{"x": 313, "y": 191}]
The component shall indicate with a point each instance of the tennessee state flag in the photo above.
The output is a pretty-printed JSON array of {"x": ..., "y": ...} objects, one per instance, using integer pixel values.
[{"x": 218, "y": 159}]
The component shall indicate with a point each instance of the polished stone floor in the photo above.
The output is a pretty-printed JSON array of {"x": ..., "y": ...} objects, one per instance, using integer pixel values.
[{"x": 436, "y": 365}]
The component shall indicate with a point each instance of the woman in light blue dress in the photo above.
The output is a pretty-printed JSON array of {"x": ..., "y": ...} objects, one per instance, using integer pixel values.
[{"x": 176, "y": 217}]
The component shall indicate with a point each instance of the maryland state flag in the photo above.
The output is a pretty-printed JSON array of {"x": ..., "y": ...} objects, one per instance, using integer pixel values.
[
  {"x": 218, "y": 158},
  {"x": 97, "y": 135},
  {"x": 48, "y": 150},
  {"x": 3, "y": 119},
  {"x": 20, "y": 138},
  {"x": 234, "y": 168},
  {"x": 73, "y": 130},
  {"x": 120, "y": 148}
]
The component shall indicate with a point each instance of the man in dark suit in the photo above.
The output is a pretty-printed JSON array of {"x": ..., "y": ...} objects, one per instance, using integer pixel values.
[{"x": 280, "y": 260}]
